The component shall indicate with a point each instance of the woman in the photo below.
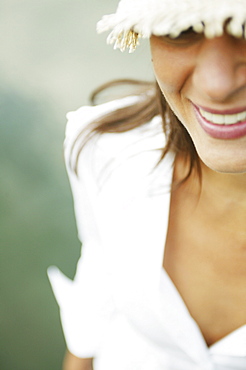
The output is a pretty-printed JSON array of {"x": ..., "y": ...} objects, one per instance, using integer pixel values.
[{"x": 161, "y": 283}]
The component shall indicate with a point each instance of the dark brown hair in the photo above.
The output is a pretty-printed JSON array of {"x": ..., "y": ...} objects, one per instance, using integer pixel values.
[{"x": 151, "y": 104}]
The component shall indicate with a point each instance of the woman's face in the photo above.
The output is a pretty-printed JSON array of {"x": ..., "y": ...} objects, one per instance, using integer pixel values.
[{"x": 204, "y": 82}]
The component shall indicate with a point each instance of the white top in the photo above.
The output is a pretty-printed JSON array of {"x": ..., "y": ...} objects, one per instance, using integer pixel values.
[{"x": 122, "y": 308}]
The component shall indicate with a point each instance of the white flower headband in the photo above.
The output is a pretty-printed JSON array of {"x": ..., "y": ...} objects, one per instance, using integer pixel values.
[{"x": 142, "y": 18}]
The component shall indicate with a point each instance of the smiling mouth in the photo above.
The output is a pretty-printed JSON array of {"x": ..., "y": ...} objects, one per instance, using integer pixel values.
[
  {"x": 223, "y": 119},
  {"x": 227, "y": 126}
]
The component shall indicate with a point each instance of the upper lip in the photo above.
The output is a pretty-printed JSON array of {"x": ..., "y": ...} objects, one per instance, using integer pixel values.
[{"x": 224, "y": 111}]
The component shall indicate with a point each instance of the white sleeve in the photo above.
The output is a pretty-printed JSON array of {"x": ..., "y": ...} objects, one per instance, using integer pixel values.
[{"x": 85, "y": 303}]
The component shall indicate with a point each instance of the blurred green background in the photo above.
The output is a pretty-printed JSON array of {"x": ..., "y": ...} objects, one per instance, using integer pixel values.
[{"x": 51, "y": 59}]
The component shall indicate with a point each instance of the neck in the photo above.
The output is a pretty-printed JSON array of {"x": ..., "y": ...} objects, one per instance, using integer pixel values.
[
  {"x": 219, "y": 199},
  {"x": 224, "y": 188},
  {"x": 221, "y": 187}
]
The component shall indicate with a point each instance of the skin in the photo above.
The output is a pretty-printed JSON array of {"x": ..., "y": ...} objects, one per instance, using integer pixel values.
[
  {"x": 72, "y": 362},
  {"x": 205, "y": 253}
]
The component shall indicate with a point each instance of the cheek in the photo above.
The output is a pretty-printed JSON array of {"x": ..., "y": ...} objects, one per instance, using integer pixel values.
[
  {"x": 172, "y": 66},
  {"x": 167, "y": 75},
  {"x": 173, "y": 71}
]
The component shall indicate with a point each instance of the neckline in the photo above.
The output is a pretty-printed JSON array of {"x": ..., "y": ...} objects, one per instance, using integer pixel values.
[
  {"x": 218, "y": 345},
  {"x": 181, "y": 307}
]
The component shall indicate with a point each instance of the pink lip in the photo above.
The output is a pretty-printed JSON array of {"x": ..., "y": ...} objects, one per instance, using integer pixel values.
[
  {"x": 224, "y": 132},
  {"x": 226, "y": 111}
]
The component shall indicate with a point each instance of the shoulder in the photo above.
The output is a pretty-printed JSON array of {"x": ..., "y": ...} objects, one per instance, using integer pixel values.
[
  {"x": 81, "y": 118},
  {"x": 132, "y": 154},
  {"x": 79, "y": 123}
]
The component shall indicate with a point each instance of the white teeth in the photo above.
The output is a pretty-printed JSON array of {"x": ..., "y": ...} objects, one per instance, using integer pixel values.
[
  {"x": 230, "y": 119},
  {"x": 223, "y": 119},
  {"x": 241, "y": 116},
  {"x": 218, "y": 118}
]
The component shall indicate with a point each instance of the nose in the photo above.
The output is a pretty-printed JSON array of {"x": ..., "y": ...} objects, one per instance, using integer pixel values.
[{"x": 220, "y": 68}]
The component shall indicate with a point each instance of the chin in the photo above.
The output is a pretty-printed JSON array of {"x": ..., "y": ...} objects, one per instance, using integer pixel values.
[
  {"x": 225, "y": 167},
  {"x": 220, "y": 156}
]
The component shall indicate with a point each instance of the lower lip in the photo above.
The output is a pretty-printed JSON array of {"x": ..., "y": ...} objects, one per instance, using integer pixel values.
[{"x": 221, "y": 131}]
